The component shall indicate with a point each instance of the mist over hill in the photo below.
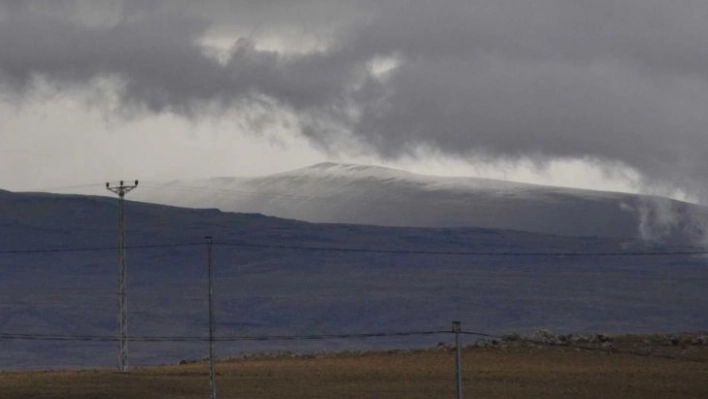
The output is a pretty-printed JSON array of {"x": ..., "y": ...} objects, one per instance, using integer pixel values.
[
  {"x": 58, "y": 272},
  {"x": 360, "y": 194}
]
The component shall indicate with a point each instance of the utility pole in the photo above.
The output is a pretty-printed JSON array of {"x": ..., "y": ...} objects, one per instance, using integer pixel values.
[
  {"x": 122, "y": 190},
  {"x": 212, "y": 377},
  {"x": 457, "y": 329}
]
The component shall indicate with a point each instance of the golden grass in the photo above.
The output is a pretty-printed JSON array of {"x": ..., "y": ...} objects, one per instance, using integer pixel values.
[{"x": 515, "y": 372}]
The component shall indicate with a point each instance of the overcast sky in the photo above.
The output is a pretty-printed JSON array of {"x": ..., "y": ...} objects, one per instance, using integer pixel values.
[{"x": 592, "y": 93}]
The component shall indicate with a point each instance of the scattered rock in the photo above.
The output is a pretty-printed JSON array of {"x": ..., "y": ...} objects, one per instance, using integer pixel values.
[{"x": 444, "y": 346}]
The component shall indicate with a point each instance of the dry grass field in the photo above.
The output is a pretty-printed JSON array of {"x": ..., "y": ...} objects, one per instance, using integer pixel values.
[{"x": 498, "y": 372}]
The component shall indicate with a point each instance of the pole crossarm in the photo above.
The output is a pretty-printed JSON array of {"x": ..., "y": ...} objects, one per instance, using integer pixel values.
[{"x": 122, "y": 189}]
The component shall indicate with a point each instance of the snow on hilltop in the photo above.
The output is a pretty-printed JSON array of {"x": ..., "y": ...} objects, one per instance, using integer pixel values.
[{"x": 361, "y": 194}]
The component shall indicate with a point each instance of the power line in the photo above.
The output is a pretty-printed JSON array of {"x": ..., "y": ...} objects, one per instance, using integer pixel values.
[
  {"x": 458, "y": 253},
  {"x": 94, "y": 249},
  {"x": 366, "y": 250},
  {"x": 185, "y": 188},
  {"x": 49, "y": 189},
  {"x": 333, "y": 336},
  {"x": 231, "y": 338}
]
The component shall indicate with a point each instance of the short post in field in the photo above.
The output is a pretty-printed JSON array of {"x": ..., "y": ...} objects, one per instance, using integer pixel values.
[{"x": 456, "y": 329}]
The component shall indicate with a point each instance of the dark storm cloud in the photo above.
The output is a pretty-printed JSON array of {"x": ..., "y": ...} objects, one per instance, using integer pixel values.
[
  {"x": 158, "y": 58},
  {"x": 607, "y": 80},
  {"x": 622, "y": 81}
]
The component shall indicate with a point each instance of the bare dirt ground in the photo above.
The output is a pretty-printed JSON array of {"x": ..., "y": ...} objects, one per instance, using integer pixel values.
[{"x": 631, "y": 367}]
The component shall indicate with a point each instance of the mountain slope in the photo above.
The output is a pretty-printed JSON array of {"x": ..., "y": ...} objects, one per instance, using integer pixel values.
[
  {"x": 340, "y": 193},
  {"x": 58, "y": 269}
]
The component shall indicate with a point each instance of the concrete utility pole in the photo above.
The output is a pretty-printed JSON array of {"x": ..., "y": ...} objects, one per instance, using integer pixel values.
[
  {"x": 122, "y": 190},
  {"x": 212, "y": 377}
]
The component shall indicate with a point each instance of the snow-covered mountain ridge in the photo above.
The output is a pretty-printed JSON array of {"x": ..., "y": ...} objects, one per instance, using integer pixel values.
[{"x": 372, "y": 195}]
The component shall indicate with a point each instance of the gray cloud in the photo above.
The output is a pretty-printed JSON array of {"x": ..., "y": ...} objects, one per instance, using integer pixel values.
[{"x": 620, "y": 82}]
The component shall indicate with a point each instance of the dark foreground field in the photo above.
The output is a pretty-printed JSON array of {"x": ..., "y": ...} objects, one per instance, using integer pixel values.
[{"x": 674, "y": 371}]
